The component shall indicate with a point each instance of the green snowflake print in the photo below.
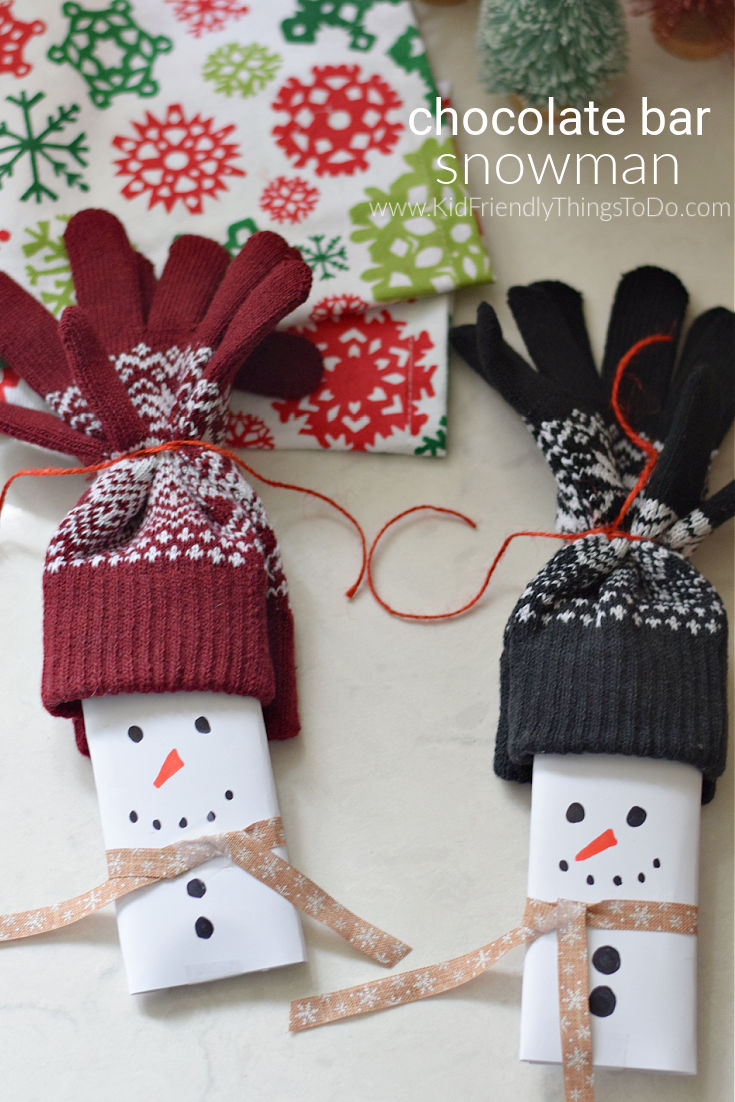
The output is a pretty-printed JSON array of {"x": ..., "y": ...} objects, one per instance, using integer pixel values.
[
  {"x": 238, "y": 233},
  {"x": 348, "y": 15},
  {"x": 243, "y": 71},
  {"x": 434, "y": 445},
  {"x": 43, "y": 149},
  {"x": 421, "y": 235},
  {"x": 325, "y": 260},
  {"x": 52, "y": 271},
  {"x": 409, "y": 54},
  {"x": 110, "y": 51}
]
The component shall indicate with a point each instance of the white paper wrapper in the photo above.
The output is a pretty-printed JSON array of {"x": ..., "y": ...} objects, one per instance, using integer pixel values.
[
  {"x": 216, "y": 920},
  {"x": 642, "y": 985}
]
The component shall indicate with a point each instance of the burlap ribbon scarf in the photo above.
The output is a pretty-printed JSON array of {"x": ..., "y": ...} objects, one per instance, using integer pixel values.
[
  {"x": 250, "y": 849},
  {"x": 570, "y": 919}
]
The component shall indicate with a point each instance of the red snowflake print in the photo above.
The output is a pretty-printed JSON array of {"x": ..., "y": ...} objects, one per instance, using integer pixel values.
[
  {"x": 13, "y": 36},
  {"x": 176, "y": 160},
  {"x": 337, "y": 306},
  {"x": 204, "y": 16},
  {"x": 337, "y": 119},
  {"x": 289, "y": 199},
  {"x": 245, "y": 430},
  {"x": 8, "y": 381},
  {"x": 374, "y": 378}
]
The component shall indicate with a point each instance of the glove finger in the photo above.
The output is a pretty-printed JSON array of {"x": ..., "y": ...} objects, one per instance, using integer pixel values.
[
  {"x": 194, "y": 270},
  {"x": 502, "y": 368},
  {"x": 258, "y": 256},
  {"x": 147, "y": 282},
  {"x": 648, "y": 300},
  {"x": 107, "y": 278},
  {"x": 29, "y": 340},
  {"x": 679, "y": 476},
  {"x": 710, "y": 342},
  {"x": 284, "y": 365},
  {"x": 33, "y": 426},
  {"x": 721, "y": 506},
  {"x": 96, "y": 376},
  {"x": 570, "y": 304},
  {"x": 528, "y": 392},
  {"x": 553, "y": 344},
  {"x": 281, "y": 290}
]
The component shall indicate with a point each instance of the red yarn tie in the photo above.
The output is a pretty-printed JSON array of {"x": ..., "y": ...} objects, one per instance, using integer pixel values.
[
  {"x": 611, "y": 531},
  {"x": 178, "y": 445}
]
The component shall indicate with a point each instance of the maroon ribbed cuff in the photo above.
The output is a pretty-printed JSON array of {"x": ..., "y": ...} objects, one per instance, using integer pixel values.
[{"x": 161, "y": 628}]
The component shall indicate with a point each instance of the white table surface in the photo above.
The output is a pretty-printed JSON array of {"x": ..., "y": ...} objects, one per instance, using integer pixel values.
[{"x": 388, "y": 796}]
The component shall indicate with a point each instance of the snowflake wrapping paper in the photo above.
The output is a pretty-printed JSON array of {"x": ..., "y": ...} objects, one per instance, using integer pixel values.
[{"x": 222, "y": 118}]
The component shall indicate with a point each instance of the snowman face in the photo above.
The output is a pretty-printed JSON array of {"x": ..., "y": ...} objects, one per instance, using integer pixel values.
[
  {"x": 177, "y": 766},
  {"x": 609, "y": 827},
  {"x": 612, "y": 847}
]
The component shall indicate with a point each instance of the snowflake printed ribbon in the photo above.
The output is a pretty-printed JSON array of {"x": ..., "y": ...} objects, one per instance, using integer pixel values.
[
  {"x": 251, "y": 849},
  {"x": 569, "y": 918}
]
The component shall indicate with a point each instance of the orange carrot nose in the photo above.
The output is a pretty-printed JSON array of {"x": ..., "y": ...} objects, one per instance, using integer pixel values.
[
  {"x": 597, "y": 845},
  {"x": 171, "y": 765}
]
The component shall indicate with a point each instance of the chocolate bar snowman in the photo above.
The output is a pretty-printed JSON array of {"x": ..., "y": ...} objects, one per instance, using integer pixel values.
[
  {"x": 614, "y": 827},
  {"x": 168, "y": 636},
  {"x": 186, "y": 765},
  {"x": 614, "y": 667}
]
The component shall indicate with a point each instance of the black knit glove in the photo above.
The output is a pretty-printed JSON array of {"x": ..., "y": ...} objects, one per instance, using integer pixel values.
[
  {"x": 566, "y": 403},
  {"x": 617, "y": 645}
]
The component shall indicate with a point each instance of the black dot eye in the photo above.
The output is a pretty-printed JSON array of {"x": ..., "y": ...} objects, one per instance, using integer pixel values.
[
  {"x": 636, "y": 816},
  {"x": 202, "y": 725},
  {"x": 575, "y": 813},
  {"x": 135, "y": 734}
]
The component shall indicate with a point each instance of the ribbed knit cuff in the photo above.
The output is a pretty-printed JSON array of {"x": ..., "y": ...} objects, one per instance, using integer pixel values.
[
  {"x": 147, "y": 628},
  {"x": 621, "y": 690}
]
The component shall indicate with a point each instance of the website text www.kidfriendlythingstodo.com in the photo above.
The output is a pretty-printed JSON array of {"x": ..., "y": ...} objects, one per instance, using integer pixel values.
[{"x": 565, "y": 167}]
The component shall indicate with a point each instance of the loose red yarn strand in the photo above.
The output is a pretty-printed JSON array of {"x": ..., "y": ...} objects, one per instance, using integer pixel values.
[
  {"x": 177, "y": 445},
  {"x": 612, "y": 531}
]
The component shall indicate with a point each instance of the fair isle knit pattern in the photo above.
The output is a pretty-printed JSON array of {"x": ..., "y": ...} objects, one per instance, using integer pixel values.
[{"x": 166, "y": 575}]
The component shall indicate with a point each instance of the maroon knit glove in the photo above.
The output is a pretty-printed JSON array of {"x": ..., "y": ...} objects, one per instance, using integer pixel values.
[{"x": 166, "y": 576}]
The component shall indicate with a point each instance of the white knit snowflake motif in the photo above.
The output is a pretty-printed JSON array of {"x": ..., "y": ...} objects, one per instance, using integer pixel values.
[
  {"x": 596, "y": 580},
  {"x": 165, "y": 507}
]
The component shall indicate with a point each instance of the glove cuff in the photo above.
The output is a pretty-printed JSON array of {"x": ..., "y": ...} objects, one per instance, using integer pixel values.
[{"x": 631, "y": 662}]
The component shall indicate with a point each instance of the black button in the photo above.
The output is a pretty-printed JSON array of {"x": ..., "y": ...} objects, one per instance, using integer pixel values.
[
  {"x": 606, "y": 959},
  {"x": 602, "y": 1002},
  {"x": 196, "y": 888},
  {"x": 203, "y": 927}
]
